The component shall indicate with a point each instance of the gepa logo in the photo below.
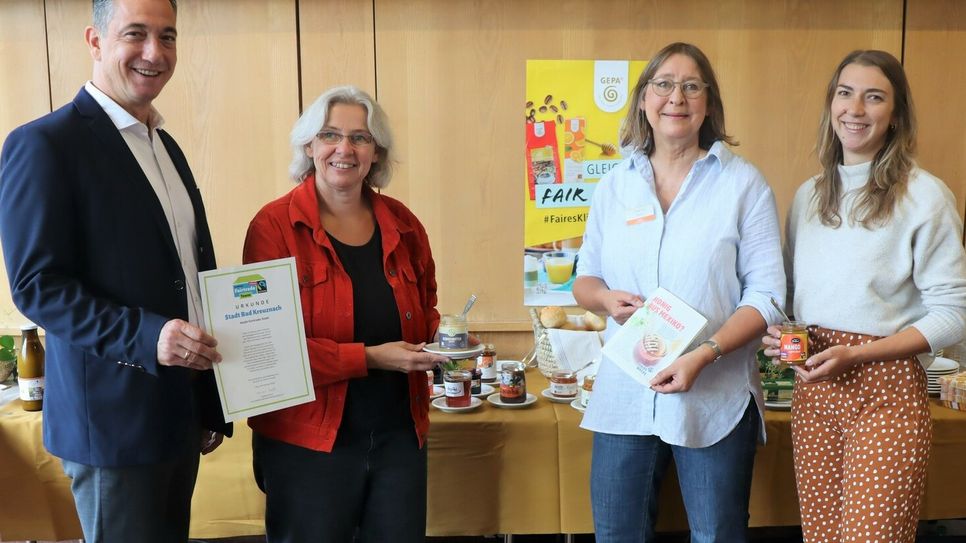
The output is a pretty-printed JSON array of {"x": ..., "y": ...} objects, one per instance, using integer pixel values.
[{"x": 610, "y": 84}]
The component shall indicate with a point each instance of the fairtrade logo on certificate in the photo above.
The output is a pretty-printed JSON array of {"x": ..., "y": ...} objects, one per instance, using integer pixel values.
[{"x": 247, "y": 286}]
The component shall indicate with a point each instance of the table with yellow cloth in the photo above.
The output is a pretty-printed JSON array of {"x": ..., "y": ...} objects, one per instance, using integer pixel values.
[{"x": 490, "y": 471}]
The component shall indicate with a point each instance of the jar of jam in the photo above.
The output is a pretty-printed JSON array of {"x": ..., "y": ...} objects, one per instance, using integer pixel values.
[
  {"x": 430, "y": 381},
  {"x": 586, "y": 388},
  {"x": 563, "y": 384},
  {"x": 794, "y": 343},
  {"x": 453, "y": 333},
  {"x": 457, "y": 386},
  {"x": 487, "y": 363},
  {"x": 476, "y": 385},
  {"x": 513, "y": 382}
]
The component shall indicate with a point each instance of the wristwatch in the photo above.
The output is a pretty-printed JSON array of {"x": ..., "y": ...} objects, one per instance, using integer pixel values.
[{"x": 715, "y": 348}]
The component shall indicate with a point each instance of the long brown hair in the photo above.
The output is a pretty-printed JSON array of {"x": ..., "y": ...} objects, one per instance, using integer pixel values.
[
  {"x": 889, "y": 178},
  {"x": 637, "y": 133}
]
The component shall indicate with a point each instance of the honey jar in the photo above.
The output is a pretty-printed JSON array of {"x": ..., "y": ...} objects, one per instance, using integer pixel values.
[
  {"x": 453, "y": 333},
  {"x": 794, "y": 343},
  {"x": 586, "y": 388},
  {"x": 487, "y": 363},
  {"x": 513, "y": 382},
  {"x": 457, "y": 386},
  {"x": 563, "y": 384}
]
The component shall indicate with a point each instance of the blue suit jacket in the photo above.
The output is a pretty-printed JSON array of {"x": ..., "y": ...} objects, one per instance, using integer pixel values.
[{"x": 91, "y": 259}]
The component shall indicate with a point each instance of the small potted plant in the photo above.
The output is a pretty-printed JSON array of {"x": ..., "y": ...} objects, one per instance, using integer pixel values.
[
  {"x": 8, "y": 357},
  {"x": 777, "y": 380}
]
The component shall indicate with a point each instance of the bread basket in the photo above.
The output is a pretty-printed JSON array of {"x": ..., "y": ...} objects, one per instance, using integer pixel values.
[{"x": 546, "y": 361}]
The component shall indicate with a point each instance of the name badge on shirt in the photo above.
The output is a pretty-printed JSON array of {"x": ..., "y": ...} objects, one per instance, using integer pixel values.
[{"x": 639, "y": 215}]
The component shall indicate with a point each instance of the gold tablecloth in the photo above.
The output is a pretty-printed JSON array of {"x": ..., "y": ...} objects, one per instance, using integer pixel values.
[{"x": 490, "y": 471}]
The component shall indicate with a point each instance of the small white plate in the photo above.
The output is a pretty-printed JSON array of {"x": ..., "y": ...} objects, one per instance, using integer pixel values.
[
  {"x": 576, "y": 405},
  {"x": 440, "y": 403},
  {"x": 495, "y": 400},
  {"x": 438, "y": 390},
  {"x": 468, "y": 352},
  {"x": 485, "y": 390},
  {"x": 779, "y": 406},
  {"x": 548, "y": 395},
  {"x": 943, "y": 365}
]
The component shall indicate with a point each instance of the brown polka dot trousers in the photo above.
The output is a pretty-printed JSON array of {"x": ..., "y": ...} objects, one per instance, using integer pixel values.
[{"x": 861, "y": 445}]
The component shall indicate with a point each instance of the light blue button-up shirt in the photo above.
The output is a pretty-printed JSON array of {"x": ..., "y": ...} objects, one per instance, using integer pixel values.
[{"x": 718, "y": 248}]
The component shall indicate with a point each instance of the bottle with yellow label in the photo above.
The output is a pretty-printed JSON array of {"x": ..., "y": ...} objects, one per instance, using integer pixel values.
[{"x": 30, "y": 369}]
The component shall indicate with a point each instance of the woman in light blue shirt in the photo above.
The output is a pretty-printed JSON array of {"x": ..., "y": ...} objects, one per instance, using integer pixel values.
[{"x": 684, "y": 213}]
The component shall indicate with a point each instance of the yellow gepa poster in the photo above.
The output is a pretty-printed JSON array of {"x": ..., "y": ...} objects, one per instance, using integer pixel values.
[{"x": 573, "y": 112}]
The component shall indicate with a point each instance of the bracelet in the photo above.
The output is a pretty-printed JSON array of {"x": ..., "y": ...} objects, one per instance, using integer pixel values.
[{"x": 715, "y": 348}]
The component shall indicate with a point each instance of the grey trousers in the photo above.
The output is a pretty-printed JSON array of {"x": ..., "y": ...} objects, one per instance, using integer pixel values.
[{"x": 147, "y": 504}]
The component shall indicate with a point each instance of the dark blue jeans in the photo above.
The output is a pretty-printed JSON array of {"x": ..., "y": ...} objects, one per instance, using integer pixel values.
[
  {"x": 371, "y": 488},
  {"x": 626, "y": 474}
]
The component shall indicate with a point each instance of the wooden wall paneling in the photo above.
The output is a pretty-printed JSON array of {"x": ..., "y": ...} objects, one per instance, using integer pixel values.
[
  {"x": 230, "y": 104},
  {"x": 935, "y": 46},
  {"x": 451, "y": 74},
  {"x": 774, "y": 60},
  {"x": 23, "y": 96},
  {"x": 70, "y": 59},
  {"x": 337, "y": 46}
]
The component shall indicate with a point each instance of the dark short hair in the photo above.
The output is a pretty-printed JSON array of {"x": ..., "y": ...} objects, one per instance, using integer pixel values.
[
  {"x": 636, "y": 132},
  {"x": 104, "y": 12}
]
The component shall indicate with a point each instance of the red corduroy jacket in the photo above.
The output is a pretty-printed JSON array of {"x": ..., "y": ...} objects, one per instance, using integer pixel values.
[{"x": 290, "y": 226}]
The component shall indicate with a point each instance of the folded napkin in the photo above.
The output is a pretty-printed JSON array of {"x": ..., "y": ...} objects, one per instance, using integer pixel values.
[{"x": 574, "y": 349}]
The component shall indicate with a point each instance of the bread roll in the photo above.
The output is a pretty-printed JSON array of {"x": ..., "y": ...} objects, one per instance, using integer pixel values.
[
  {"x": 553, "y": 317},
  {"x": 571, "y": 326},
  {"x": 594, "y": 322}
]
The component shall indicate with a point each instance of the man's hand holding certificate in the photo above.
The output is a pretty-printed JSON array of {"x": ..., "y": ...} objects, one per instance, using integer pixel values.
[{"x": 255, "y": 312}]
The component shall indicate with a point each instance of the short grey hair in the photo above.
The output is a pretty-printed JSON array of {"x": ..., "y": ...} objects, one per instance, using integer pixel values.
[
  {"x": 104, "y": 12},
  {"x": 315, "y": 117}
]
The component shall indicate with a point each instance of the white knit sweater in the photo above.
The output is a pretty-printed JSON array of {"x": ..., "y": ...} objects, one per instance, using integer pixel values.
[{"x": 909, "y": 272}]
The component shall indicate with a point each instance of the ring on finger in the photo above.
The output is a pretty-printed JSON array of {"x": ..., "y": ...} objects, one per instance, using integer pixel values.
[{"x": 187, "y": 353}]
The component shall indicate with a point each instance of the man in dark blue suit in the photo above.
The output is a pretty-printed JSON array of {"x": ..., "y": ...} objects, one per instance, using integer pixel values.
[{"x": 103, "y": 233}]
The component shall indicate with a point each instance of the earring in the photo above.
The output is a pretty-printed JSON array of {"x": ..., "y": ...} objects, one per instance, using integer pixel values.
[{"x": 892, "y": 127}]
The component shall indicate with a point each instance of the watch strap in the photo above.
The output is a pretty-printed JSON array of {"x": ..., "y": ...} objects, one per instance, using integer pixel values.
[{"x": 715, "y": 348}]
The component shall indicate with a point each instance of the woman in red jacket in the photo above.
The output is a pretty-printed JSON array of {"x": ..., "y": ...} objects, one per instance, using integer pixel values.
[{"x": 352, "y": 462}]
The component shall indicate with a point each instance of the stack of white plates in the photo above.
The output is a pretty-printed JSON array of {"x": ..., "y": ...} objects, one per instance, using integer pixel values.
[{"x": 940, "y": 366}]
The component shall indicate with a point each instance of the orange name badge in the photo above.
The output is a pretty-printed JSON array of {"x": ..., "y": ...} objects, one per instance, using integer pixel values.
[{"x": 639, "y": 215}]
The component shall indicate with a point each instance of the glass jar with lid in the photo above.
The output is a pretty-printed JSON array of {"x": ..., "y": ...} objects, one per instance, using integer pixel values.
[
  {"x": 454, "y": 335},
  {"x": 457, "y": 388},
  {"x": 563, "y": 384},
  {"x": 487, "y": 363},
  {"x": 794, "y": 343},
  {"x": 586, "y": 388}
]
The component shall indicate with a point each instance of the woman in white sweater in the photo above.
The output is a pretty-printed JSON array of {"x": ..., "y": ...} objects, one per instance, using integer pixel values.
[{"x": 875, "y": 265}]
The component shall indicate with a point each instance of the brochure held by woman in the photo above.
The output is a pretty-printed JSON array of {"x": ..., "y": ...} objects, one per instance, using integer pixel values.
[{"x": 654, "y": 336}]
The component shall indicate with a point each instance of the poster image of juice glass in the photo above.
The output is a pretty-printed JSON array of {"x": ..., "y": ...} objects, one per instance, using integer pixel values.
[{"x": 573, "y": 110}]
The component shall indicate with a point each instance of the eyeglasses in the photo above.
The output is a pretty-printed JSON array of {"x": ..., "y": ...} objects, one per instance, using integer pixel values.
[
  {"x": 356, "y": 139},
  {"x": 691, "y": 88}
]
